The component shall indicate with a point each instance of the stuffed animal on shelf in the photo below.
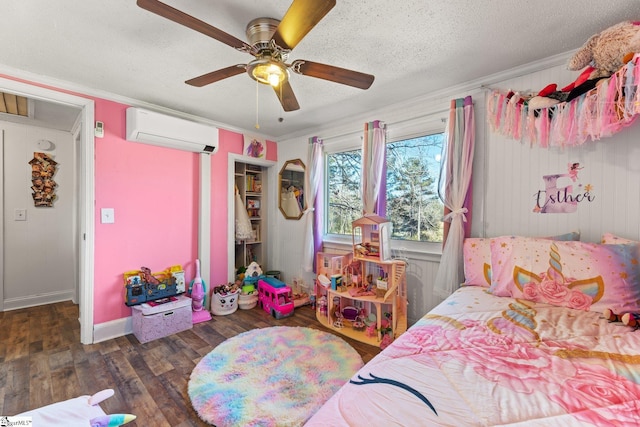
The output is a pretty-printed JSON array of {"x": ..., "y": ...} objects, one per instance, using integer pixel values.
[
  {"x": 606, "y": 51},
  {"x": 253, "y": 270}
]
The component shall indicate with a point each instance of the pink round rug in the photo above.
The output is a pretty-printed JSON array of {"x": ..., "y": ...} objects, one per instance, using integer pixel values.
[{"x": 271, "y": 377}]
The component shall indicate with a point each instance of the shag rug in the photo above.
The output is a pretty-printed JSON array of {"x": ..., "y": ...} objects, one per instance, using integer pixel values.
[{"x": 276, "y": 376}]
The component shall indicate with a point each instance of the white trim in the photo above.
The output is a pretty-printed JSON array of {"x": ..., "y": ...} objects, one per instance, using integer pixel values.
[
  {"x": 87, "y": 225},
  {"x": 204, "y": 218},
  {"x": 231, "y": 225},
  {"x": 426, "y": 251},
  {"x": 78, "y": 201},
  {"x": 2, "y": 221},
  {"x": 89, "y": 91},
  {"x": 418, "y": 106},
  {"x": 113, "y": 329},
  {"x": 40, "y": 299},
  {"x": 417, "y": 127}
]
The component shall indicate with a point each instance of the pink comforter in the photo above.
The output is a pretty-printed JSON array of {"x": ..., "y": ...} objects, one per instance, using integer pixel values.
[{"x": 482, "y": 360}]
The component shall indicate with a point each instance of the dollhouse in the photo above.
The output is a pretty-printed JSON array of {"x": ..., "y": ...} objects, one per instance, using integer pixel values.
[{"x": 365, "y": 291}]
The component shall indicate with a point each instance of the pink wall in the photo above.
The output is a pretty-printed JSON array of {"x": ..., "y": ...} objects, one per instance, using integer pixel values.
[
  {"x": 155, "y": 195},
  {"x": 154, "y": 192}
]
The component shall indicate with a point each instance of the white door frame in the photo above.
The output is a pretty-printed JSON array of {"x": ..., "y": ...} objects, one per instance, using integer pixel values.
[
  {"x": 2, "y": 221},
  {"x": 86, "y": 224},
  {"x": 231, "y": 169}
]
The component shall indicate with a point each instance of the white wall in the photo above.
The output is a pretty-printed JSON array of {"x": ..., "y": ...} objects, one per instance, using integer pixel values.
[
  {"x": 39, "y": 252},
  {"x": 514, "y": 174},
  {"x": 507, "y": 174},
  {"x": 422, "y": 266}
]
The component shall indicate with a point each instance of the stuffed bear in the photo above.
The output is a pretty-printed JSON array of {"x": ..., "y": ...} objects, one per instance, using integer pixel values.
[{"x": 605, "y": 51}]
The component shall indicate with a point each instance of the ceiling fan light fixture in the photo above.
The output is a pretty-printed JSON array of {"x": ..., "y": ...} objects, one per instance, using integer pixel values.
[{"x": 268, "y": 71}]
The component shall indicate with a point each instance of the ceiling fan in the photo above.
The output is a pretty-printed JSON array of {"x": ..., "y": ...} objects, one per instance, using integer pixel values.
[{"x": 270, "y": 42}]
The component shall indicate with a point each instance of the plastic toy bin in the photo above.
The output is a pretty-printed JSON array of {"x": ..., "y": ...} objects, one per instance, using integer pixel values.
[{"x": 153, "y": 322}]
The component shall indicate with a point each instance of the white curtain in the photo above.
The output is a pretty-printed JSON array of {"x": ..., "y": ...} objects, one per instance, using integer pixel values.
[
  {"x": 243, "y": 223},
  {"x": 314, "y": 213},
  {"x": 455, "y": 178},
  {"x": 373, "y": 153}
]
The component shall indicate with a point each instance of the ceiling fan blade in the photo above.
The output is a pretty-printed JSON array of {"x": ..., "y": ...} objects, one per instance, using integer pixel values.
[
  {"x": 301, "y": 17},
  {"x": 287, "y": 97},
  {"x": 334, "y": 74},
  {"x": 189, "y": 21},
  {"x": 218, "y": 75}
]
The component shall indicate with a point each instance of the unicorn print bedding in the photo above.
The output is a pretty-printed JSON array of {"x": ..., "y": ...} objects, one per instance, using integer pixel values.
[{"x": 531, "y": 349}]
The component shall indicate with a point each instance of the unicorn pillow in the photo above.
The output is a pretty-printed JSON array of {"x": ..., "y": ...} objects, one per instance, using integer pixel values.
[
  {"x": 477, "y": 261},
  {"x": 611, "y": 239},
  {"x": 579, "y": 275},
  {"x": 477, "y": 258}
]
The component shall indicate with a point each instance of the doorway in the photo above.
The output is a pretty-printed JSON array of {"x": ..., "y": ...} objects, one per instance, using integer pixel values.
[
  {"x": 237, "y": 176},
  {"x": 84, "y": 183}
]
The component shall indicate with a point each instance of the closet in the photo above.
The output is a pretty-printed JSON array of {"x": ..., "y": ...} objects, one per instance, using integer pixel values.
[{"x": 250, "y": 215}]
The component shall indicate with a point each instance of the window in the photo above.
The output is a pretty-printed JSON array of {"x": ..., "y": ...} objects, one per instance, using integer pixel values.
[
  {"x": 413, "y": 206},
  {"x": 344, "y": 198}
]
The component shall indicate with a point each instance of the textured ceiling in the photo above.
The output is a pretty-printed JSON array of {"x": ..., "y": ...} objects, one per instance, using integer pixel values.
[{"x": 413, "y": 47}]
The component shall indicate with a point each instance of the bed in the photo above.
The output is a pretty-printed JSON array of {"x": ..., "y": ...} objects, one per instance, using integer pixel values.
[{"x": 531, "y": 349}]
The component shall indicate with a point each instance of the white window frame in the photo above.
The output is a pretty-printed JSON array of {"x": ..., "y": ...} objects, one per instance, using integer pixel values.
[{"x": 408, "y": 129}]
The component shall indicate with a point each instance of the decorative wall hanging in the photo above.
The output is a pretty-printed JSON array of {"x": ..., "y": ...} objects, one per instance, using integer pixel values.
[
  {"x": 559, "y": 198},
  {"x": 587, "y": 109},
  {"x": 255, "y": 147},
  {"x": 43, "y": 168}
]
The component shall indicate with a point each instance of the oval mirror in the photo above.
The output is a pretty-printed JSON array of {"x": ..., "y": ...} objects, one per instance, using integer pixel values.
[{"x": 292, "y": 202}]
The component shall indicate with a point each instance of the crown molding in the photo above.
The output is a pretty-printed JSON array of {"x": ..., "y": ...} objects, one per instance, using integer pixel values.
[
  {"x": 426, "y": 104},
  {"x": 80, "y": 90}
]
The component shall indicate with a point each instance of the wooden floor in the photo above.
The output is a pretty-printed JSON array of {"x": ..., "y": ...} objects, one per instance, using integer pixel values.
[{"x": 42, "y": 362}]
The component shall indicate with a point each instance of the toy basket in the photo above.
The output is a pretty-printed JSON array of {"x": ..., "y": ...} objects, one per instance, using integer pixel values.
[
  {"x": 223, "y": 304},
  {"x": 247, "y": 301}
]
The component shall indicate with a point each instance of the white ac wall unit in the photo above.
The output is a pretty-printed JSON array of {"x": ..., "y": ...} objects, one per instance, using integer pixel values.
[{"x": 158, "y": 129}]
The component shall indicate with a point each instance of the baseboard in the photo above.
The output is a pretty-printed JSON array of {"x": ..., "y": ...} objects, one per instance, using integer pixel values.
[
  {"x": 113, "y": 329},
  {"x": 40, "y": 299}
]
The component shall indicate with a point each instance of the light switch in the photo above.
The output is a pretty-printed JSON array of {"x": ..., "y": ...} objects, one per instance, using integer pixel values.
[
  {"x": 107, "y": 216},
  {"x": 20, "y": 215}
]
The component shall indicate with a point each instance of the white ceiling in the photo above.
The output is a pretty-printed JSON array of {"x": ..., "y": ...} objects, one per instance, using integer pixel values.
[{"x": 413, "y": 47}]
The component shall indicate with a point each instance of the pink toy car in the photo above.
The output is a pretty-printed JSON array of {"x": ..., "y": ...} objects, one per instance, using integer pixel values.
[{"x": 274, "y": 297}]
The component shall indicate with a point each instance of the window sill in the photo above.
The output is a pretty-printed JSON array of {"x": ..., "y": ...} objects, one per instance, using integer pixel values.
[{"x": 399, "y": 248}]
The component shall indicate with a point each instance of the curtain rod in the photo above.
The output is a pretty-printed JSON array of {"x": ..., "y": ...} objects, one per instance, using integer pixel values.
[{"x": 433, "y": 113}]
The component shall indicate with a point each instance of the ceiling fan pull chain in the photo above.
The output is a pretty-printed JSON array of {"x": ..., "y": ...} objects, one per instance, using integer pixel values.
[{"x": 257, "y": 108}]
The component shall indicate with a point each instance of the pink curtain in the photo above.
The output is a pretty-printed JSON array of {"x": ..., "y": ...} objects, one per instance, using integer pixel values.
[
  {"x": 314, "y": 213},
  {"x": 373, "y": 160},
  {"x": 455, "y": 181}
]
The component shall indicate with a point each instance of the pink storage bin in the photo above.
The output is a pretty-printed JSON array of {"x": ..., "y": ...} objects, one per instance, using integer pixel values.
[{"x": 153, "y": 322}]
